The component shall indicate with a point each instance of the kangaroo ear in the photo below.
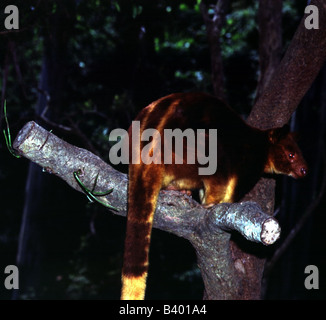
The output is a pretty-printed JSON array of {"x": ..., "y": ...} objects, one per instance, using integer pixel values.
[{"x": 276, "y": 134}]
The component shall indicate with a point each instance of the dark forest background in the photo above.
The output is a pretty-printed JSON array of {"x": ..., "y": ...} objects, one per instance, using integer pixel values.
[{"x": 82, "y": 68}]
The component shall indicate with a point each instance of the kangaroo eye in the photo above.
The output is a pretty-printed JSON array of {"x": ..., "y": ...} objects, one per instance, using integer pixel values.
[{"x": 291, "y": 155}]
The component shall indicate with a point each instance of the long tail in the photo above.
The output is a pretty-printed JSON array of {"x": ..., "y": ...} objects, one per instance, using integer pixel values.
[{"x": 144, "y": 186}]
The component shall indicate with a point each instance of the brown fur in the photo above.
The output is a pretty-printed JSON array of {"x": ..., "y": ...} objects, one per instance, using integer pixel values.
[{"x": 244, "y": 153}]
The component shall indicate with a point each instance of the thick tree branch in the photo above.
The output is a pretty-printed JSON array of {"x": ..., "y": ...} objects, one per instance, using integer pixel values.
[
  {"x": 294, "y": 76},
  {"x": 180, "y": 217},
  {"x": 207, "y": 229}
]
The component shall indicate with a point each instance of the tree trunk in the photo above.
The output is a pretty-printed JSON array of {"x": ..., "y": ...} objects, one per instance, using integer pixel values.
[
  {"x": 32, "y": 245},
  {"x": 294, "y": 76},
  {"x": 270, "y": 40},
  {"x": 214, "y": 25}
]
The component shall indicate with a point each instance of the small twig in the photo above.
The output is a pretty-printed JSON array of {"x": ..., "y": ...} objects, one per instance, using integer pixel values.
[
  {"x": 73, "y": 129},
  {"x": 45, "y": 110}
]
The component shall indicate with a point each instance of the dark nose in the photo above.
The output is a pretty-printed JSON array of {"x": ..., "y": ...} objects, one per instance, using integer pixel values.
[{"x": 303, "y": 171}]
